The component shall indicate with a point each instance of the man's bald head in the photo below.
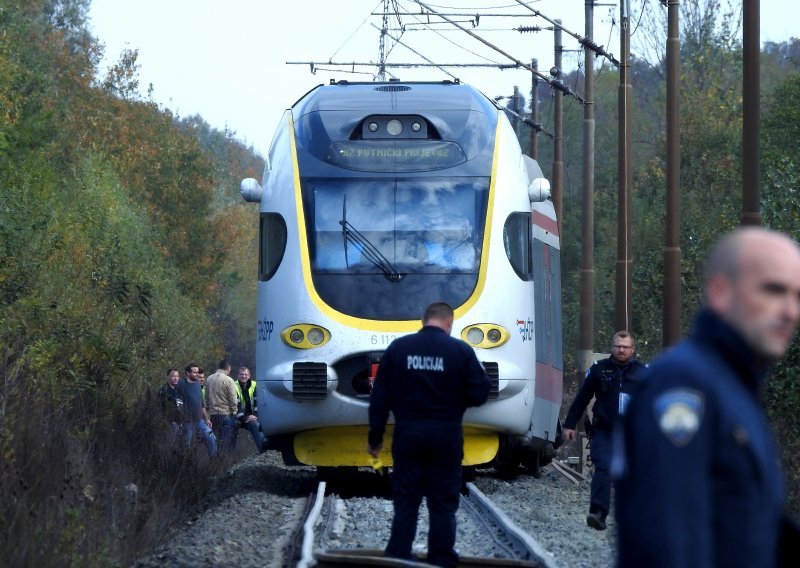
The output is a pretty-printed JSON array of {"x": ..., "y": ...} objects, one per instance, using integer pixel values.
[{"x": 753, "y": 283}]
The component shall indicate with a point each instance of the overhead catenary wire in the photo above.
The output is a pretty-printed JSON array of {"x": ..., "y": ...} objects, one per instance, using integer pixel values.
[
  {"x": 412, "y": 27},
  {"x": 355, "y": 31},
  {"x": 641, "y": 14},
  {"x": 437, "y": 32},
  {"x": 537, "y": 126},
  {"x": 446, "y": 7},
  {"x": 554, "y": 83},
  {"x": 398, "y": 41},
  {"x": 426, "y": 12},
  {"x": 461, "y": 14},
  {"x": 317, "y": 66},
  {"x": 610, "y": 34},
  {"x": 584, "y": 41}
]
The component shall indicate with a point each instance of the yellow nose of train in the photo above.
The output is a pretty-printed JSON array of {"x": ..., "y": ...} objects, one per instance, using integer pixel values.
[{"x": 347, "y": 446}]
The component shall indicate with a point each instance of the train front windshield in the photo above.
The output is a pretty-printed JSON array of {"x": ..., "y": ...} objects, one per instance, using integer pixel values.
[{"x": 383, "y": 248}]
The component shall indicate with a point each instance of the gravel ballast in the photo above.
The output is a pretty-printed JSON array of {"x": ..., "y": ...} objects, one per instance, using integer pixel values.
[{"x": 248, "y": 518}]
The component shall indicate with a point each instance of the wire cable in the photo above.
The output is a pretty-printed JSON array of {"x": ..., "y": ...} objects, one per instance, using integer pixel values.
[
  {"x": 644, "y": 5},
  {"x": 355, "y": 31},
  {"x": 454, "y": 43}
]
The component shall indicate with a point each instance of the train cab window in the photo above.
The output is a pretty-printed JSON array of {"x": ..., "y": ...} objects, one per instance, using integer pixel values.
[
  {"x": 414, "y": 226},
  {"x": 272, "y": 244},
  {"x": 379, "y": 247},
  {"x": 517, "y": 242}
]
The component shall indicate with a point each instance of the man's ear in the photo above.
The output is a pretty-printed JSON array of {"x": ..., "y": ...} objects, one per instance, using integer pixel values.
[{"x": 719, "y": 291}]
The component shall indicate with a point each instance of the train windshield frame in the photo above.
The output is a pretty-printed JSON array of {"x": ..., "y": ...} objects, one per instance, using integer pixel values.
[{"x": 381, "y": 246}]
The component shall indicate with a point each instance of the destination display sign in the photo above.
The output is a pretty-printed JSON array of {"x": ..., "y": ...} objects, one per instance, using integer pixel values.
[{"x": 395, "y": 155}]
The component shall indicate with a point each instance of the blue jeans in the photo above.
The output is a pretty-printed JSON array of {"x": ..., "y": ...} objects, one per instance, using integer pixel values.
[
  {"x": 192, "y": 429},
  {"x": 258, "y": 437},
  {"x": 225, "y": 428}
]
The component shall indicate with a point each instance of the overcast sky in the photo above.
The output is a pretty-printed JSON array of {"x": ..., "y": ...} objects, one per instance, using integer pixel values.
[{"x": 226, "y": 61}]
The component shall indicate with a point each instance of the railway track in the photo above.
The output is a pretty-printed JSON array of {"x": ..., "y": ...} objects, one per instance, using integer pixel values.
[
  {"x": 313, "y": 543},
  {"x": 252, "y": 514}
]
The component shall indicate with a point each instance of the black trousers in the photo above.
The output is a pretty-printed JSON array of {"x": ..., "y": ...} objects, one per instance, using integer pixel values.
[
  {"x": 427, "y": 463},
  {"x": 600, "y": 501}
]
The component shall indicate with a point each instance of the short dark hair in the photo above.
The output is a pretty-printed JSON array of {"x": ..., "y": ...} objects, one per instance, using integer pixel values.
[
  {"x": 200, "y": 370},
  {"x": 172, "y": 370},
  {"x": 624, "y": 334},
  {"x": 224, "y": 364},
  {"x": 437, "y": 311},
  {"x": 189, "y": 367}
]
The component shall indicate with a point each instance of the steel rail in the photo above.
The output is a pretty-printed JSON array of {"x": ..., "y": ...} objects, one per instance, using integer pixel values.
[
  {"x": 525, "y": 546},
  {"x": 307, "y": 558}
]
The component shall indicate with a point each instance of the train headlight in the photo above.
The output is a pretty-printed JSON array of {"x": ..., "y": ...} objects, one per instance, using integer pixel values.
[
  {"x": 373, "y": 126},
  {"x": 485, "y": 335},
  {"x": 315, "y": 336},
  {"x": 475, "y": 335},
  {"x": 305, "y": 336},
  {"x": 416, "y": 127}
]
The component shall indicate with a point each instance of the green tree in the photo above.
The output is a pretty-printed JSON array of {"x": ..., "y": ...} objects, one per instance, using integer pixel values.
[
  {"x": 116, "y": 262},
  {"x": 781, "y": 210}
]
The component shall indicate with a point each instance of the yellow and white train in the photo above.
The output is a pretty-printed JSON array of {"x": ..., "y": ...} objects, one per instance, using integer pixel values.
[{"x": 377, "y": 200}]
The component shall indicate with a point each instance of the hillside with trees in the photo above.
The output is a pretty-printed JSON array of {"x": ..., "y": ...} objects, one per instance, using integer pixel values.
[{"x": 125, "y": 250}]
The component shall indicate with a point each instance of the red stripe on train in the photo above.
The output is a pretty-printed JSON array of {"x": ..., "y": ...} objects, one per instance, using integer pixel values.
[
  {"x": 549, "y": 383},
  {"x": 545, "y": 222}
]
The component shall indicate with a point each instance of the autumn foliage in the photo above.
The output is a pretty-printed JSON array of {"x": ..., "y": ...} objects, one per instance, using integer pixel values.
[{"x": 123, "y": 251}]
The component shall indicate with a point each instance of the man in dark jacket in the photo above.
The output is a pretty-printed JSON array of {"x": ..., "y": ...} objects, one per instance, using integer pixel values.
[
  {"x": 427, "y": 380},
  {"x": 171, "y": 403},
  {"x": 194, "y": 417},
  {"x": 699, "y": 482},
  {"x": 609, "y": 382}
]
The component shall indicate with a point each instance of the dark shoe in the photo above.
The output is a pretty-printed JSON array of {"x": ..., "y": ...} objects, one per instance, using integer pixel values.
[{"x": 596, "y": 521}]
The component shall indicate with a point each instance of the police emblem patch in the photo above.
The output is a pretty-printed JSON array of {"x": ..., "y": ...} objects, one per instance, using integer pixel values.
[{"x": 679, "y": 413}]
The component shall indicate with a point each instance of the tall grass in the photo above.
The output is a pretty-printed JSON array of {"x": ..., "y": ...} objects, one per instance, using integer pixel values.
[{"x": 82, "y": 489}]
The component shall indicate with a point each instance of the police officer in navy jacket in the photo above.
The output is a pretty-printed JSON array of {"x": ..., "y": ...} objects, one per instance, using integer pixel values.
[
  {"x": 427, "y": 380},
  {"x": 609, "y": 382},
  {"x": 699, "y": 482}
]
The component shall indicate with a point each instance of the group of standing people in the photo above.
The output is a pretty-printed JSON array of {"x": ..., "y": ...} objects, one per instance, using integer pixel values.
[
  {"x": 685, "y": 440},
  {"x": 211, "y": 409}
]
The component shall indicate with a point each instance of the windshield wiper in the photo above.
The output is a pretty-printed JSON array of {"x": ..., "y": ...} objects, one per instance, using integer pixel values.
[{"x": 351, "y": 235}]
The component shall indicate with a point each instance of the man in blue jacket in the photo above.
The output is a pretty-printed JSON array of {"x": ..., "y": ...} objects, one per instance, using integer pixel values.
[
  {"x": 427, "y": 380},
  {"x": 699, "y": 482},
  {"x": 609, "y": 382}
]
